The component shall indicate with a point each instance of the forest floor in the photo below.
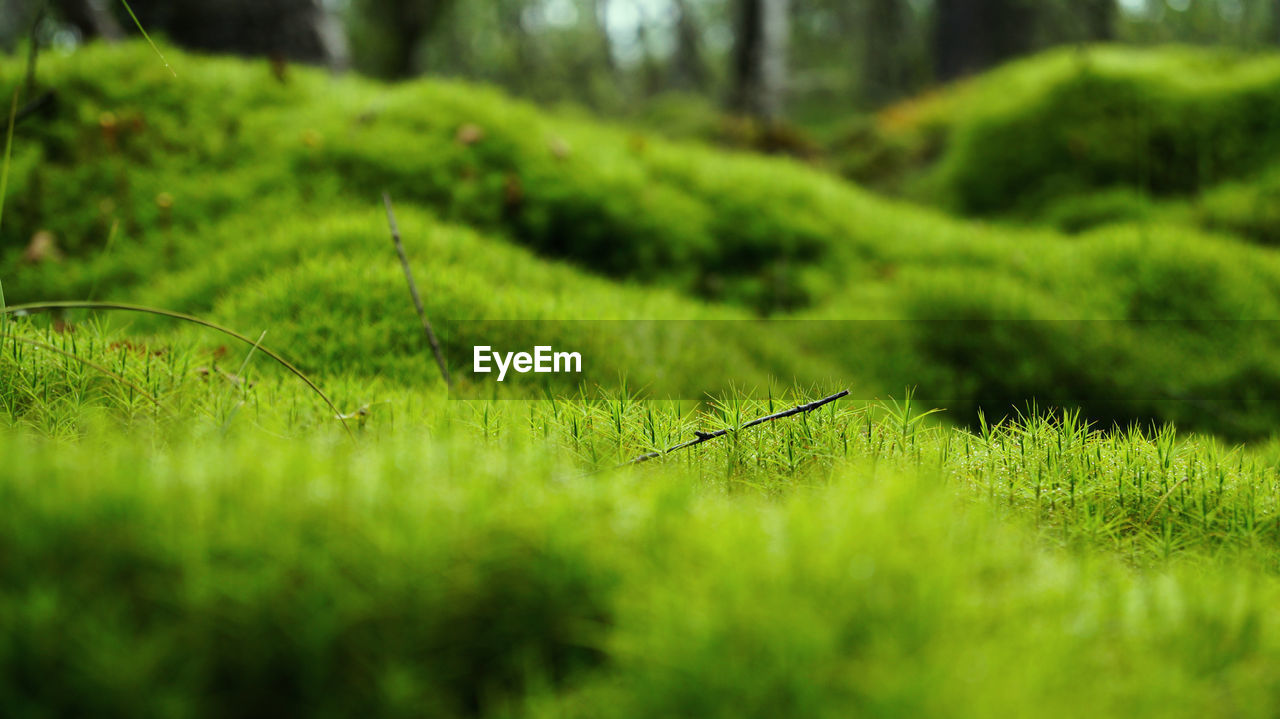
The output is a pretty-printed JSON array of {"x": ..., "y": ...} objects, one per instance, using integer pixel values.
[{"x": 189, "y": 528}]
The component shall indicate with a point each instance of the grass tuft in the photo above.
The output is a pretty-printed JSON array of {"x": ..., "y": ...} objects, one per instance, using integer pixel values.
[
  {"x": 87, "y": 363},
  {"x": 37, "y": 307}
]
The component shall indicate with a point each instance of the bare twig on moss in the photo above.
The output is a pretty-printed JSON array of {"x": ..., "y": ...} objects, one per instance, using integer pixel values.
[
  {"x": 708, "y": 436},
  {"x": 413, "y": 292},
  {"x": 37, "y": 307}
]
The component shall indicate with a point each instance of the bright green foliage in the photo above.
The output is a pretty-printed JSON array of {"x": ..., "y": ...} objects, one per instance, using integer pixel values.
[
  {"x": 79, "y": 380},
  {"x": 251, "y": 200},
  {"x": 460, "y": 577},
  {"x": 1083, "y": 138},
  {"x": 1078, "y": 213},
  {"x": 557, "y": 185},
  {"x": 220, "y": 594},
  {"x": 186, "y": 530},
  {"x": 1249, "y": 208},
  {"x": 1168, "y": 122}
]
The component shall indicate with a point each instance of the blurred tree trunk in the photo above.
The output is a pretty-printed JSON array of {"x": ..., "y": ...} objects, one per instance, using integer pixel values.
[
  {"x": 299, "y": 30},
  {"x": 884, "y": 72},
  {"x": 512, "y": 23},
  {"x": 91, "y": 17},
  {"x": 652, "y": 72},
  {"x": 395, "y": 31},
  {"x": 15, "y": 22},
  {"x": 760, "y": 58},
  {"x": 404, "y": 28},
  {"x": 1099, "y": 19},
  {"x": 973, "y": 35},
  {"x": 606, "y": 40},
  {"x": 688, "y": 68}
]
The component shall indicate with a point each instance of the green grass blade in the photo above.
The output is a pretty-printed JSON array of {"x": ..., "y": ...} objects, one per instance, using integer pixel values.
[
  {"x": 240, "y": 377},
  {"x": 106, "y": 251},
  {"x": 115, "y": 306},
  {"x": 91, "y": 365},
  {"x": 143, "y": 30}
]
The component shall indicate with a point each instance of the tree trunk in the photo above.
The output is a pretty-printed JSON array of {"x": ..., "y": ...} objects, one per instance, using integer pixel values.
[
  {"x": 688, "y": 70},
  {"x": 90, "y": 17},
  {"x": 1099, "y": 19},
  {"x": 398, "y": 29},
  {"x": 760, "y": 58},
  {"x": 652, "y": 72},
  {"x": 884, "y": 72},
  {"x": 335, "y": 46},
  {"x": 404, "y": 31},
  {"x": 606, "y": 40},
  {"x": 512, "y": 19},
  {"x": 15, "y": 22},
  {"x": 973, "y": 35},
  {"x": 300, "y": 30}
]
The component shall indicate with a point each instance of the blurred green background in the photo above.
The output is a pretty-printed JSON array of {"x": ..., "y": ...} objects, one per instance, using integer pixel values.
[{"x": 812, "y": 62}]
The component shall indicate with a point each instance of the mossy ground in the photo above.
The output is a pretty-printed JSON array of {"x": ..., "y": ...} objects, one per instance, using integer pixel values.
[
  {"x": 1080, "y": 138},
  {"x": 240, "y": 197},
  {"x": 188, "y": 531}
]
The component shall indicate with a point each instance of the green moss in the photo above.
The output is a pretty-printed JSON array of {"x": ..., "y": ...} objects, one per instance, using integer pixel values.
[
  {"x": 233, "y": 552},
  {"x": 1167, "y": 122},
  {"x": 464, "y": 578},
  {"x": 254, "y": 201},
  {"x": 1077, "y": 213},
  {"x": 118, "y": 139}
]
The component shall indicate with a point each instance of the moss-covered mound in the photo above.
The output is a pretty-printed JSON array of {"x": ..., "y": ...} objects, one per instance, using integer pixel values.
[
  {"x": 1166, "y": 122},
  {"x": 1169, "y": 123},
  {"x": 173, "y": 155},
  {"x": 228, "y": 193}
]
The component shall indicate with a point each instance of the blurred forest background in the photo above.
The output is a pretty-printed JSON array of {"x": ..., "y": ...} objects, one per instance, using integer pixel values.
[{"x": 679, "y": 64}]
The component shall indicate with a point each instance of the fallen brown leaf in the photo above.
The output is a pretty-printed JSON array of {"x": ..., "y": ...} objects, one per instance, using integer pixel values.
[{"x": 470, "y": 134}]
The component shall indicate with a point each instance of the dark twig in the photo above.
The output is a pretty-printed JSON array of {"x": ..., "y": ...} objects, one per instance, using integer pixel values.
[
  {"x": 413, "y": 292},
  {"x": 43, "y": 100},
  {"x": 708, "y": 436},
  {"x": 33, "y": 51}
]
